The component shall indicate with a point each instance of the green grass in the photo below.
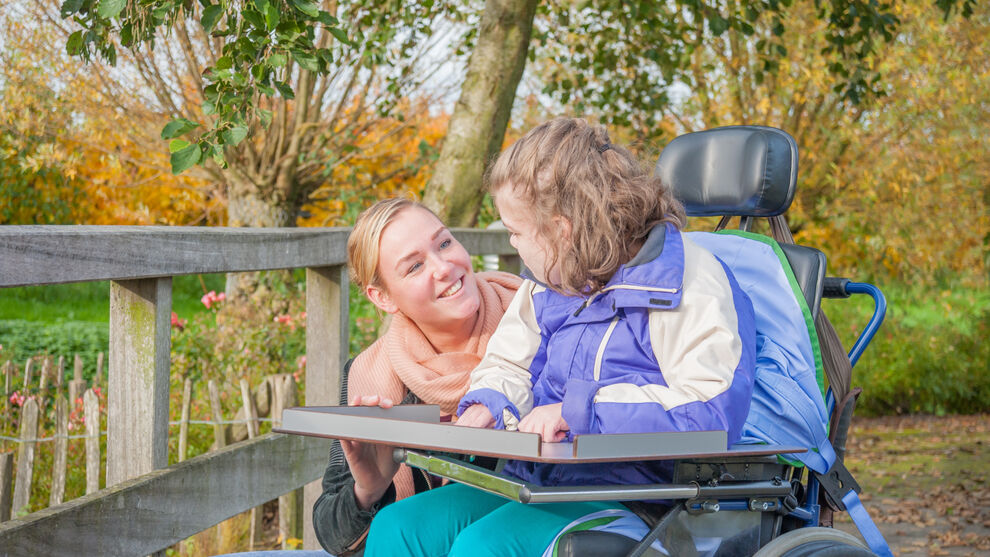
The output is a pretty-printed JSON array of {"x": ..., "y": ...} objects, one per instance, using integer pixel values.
[{"x": 90, "y": 301}]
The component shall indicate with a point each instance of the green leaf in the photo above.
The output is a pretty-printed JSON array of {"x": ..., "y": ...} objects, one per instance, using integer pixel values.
[
  {"x": 185, "y": 158},
  {"x": 339, "y": 34},
  {"x": 234, "y": 135},
  {"x": 111, "y": 8},
  {"x": 306, "y": 60},
  {"x": 718, "y": 25},
  {"x": 285, "y": 90},
  {"x": 70, "y": 7},
  {"x": 306, "y": 7},
  {"x": 271, "y": 17},
  {"x": 265, "y": 116},
  {"x": 276, "y": 60},
  {"x": 74, "y": 45},
  {"x": 224, "y": 63},
  {"x": 254, "y": 18},
  {"x": 211, "y": 15},
  {"x": 177, "y": 145},
  {"x": 177, "y": 127}
]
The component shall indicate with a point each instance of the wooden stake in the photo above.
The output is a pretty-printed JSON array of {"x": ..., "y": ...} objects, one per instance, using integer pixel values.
[
  {"x": 91, "y": 415},
  {"x": 77, "y": 385},
  {"x": 98, "y": 378},
  {"x": 184, "y": 422},
  {"x": 6, "y": 483},
  {"x": 25, "y": 456},
  {"x": 220, "y": 440},
  {"x": 27, "y": 375},
  {"x": 57, "y": 494}
]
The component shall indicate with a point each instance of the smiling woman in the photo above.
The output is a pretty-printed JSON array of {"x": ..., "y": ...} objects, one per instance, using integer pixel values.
[{"x": 410, "y": 266}]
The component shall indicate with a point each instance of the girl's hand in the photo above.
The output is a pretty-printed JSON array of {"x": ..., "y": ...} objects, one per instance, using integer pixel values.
[
  {"x": 477, "y": 415},
  {"x": 547, "y": 421},
  {"x": 371, "y": 464}
]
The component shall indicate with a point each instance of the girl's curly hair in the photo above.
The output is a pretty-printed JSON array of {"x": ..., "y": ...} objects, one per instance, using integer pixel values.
[{"x": 568, "y": 168}]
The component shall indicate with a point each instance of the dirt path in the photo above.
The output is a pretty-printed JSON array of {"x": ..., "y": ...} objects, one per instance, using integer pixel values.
[{"x": 926, "y": 482}]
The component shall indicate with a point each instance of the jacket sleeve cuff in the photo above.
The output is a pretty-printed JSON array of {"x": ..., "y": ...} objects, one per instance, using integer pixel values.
[
  {"x": 578, "y": 407},
  {"x": 495, "y": 401}
]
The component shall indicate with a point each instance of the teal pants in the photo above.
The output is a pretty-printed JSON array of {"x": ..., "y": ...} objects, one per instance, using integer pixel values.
[{"x": 461, "y": 521}]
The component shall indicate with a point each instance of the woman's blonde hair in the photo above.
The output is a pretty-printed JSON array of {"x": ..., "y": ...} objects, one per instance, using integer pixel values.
[
  {"x": 568, "y": 168},
  {"x": 363, "y": 244}
]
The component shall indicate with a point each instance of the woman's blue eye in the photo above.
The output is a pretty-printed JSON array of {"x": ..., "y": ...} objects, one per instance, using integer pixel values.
[
  {"x": 444, "y": 244},
  {"x": 414, "y": 267}
]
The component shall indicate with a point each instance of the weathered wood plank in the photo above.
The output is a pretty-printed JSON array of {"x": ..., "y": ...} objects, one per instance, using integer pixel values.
[
  {"x": 25, "y": 456},
  {"x": 6, "y": 484},
  {"x": 58, "y": 254},
  {"x": 57, "y": 493},
  {"x": 137, "y": 392},
  {"x": 153, "y": 511},
  {"x": 91, "y": 415}
]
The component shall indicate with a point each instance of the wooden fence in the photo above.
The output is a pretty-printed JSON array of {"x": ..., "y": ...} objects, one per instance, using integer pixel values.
[{"x": 148, "y": 506}]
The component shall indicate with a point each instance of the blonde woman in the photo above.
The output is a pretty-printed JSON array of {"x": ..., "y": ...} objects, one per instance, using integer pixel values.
[{"x": 410, "y": 266}]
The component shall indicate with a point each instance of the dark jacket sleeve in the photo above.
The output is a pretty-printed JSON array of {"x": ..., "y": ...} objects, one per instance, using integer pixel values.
[{"x": 339, "y": 523}]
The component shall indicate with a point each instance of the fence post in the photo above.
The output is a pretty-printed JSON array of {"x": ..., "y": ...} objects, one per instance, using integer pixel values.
[
  {"x": 91, "y": 415},
  {"x": 137, "y": 382},
  {"x": 327, "y": 345},
  {"x": 98, "y": 378},
  {"x": 6, "y": 483},
  {"x": 25, "y": 456},
  {"x": 57, "y": 493}
]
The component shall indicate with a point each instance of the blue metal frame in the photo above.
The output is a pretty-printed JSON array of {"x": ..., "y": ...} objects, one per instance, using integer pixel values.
[{"x": 810, "y": 511}]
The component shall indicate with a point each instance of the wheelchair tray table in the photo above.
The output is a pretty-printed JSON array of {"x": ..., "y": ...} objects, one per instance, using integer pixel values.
[{"x": 418, "y": 426}]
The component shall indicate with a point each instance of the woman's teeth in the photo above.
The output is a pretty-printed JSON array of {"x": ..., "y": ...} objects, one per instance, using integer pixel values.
[{"x": 454, "y": 288}]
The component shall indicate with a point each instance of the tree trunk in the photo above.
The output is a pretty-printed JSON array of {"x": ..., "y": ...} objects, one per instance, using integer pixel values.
[
  {"x": 477, "y": 127},
  {"x": 248, "y": 206}
]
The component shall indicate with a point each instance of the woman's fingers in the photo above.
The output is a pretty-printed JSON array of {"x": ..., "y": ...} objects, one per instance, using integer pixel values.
[{"x": 372, "y": 400}]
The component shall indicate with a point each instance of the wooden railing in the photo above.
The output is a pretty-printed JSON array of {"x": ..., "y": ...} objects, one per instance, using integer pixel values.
[{"x": 148, "y": 506}]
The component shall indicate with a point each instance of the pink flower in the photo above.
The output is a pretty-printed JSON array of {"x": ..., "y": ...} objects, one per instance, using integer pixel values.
[
  {"x": 301, "y": 362},
  {"x": 178, "y": 323},
  {"x": 283, "y": 319},
  {"x": 17, "y": 399},
  {"x": 212, "y": 297}
]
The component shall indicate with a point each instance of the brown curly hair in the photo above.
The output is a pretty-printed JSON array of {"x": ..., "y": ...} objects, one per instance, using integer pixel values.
[{"x": 569, "y": 168}]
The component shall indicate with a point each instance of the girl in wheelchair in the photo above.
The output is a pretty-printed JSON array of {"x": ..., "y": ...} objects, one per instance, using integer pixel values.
[{"x": 626, "y": 325}]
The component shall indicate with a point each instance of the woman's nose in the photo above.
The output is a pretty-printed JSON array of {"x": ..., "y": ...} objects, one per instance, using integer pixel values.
[{"x": 441, "y": 267}]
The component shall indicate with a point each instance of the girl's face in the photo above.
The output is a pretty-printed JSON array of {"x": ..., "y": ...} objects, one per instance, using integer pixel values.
[
  {"x": 426, "y": 273},
  {"x": 524, "y": 234}
]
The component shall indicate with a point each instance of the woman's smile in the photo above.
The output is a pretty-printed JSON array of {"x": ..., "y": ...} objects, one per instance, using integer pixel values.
[{"x": 454, "y": 289}]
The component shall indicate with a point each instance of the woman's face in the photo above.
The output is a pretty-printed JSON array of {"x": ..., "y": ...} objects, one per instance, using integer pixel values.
[{"x": 426, "y": 273}]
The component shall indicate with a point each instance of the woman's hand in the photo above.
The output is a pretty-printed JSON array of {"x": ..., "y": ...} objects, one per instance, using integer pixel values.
[
  {"x": 371, "y": 464},
  {"x": 477, "y": 415},
  {"x": 547, "y": 421}
]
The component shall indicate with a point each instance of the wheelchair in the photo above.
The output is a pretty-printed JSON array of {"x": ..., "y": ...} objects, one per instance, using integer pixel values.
[{"x": 770, "y": 506}]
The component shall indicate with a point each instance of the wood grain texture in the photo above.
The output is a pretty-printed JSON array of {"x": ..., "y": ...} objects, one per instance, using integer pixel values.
[
  {"x": 47, "y": 254},
  {"x": 137, "y": 393},
  {"x": 149, "y": 513}
]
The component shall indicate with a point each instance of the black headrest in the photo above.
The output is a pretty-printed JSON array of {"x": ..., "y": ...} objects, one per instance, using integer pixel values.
[{"x": 734, "y": 171}]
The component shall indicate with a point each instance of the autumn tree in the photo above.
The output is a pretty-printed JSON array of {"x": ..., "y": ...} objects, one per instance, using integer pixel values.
[
  {"x": 877, "y": 162},
  {"x": 285, "y": 93}
]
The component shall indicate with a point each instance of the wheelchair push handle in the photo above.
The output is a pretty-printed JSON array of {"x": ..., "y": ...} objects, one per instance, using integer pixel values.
[{"x": 835, "y": 287}]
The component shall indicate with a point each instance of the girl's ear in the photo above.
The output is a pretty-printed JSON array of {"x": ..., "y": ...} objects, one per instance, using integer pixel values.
[
  {"x": 380, "y": 298},
  {"x": 563, "y": 226}
]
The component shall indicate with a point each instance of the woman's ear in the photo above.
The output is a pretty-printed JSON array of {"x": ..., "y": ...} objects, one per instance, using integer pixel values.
[{"x": 380, "y": 298}]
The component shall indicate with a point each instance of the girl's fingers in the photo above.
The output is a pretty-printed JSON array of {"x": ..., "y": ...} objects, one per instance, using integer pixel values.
[{"x": 372, "y": 400}]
